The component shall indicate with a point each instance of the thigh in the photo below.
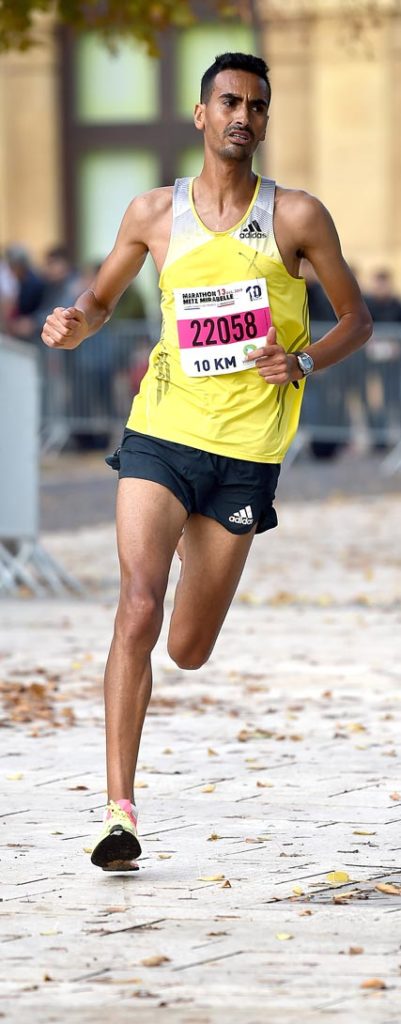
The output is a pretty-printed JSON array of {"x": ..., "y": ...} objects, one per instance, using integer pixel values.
[
  {"x": 149, "y": 523},
  {"x": 211, "y": 568}
]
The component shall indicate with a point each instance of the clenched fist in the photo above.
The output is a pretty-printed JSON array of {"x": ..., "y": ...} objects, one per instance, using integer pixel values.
[
  {"x": 65, "y": 328},
  {"x": 273, "y": 362}
]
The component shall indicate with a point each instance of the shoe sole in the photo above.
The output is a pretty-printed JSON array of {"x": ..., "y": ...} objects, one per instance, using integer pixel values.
[{"x": 116, "y": 852}]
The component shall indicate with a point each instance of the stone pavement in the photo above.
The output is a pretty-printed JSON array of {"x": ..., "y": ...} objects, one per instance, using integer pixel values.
[{"x": 270, "y": 769}]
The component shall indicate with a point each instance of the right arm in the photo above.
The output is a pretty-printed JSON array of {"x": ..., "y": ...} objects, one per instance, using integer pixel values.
[{"x": 67, "y": 328}]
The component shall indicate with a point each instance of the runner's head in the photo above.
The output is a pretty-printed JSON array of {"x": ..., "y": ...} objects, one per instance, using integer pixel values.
[
  {"x": 234, "y": 62},
  {"x": 234, "y": 101}
]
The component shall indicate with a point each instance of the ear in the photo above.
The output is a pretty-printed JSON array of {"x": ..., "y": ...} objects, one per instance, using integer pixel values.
[{"x": 199, "y": 116}]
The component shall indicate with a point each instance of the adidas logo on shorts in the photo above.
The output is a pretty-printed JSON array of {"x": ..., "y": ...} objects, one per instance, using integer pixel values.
[{"x": 242, "y": 518}]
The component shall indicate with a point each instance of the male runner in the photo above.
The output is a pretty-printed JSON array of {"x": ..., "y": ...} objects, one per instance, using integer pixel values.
[{"x": 219, "y": 404}]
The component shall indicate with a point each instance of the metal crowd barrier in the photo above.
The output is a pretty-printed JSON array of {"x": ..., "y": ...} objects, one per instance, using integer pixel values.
[{"x": 87, "y": 393}]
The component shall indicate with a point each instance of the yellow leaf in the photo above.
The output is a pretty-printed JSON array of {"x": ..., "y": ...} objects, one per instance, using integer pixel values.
[
  {"x": 264, "y": 785},
  {"x": 213, "y": 837},
  {"x": 211, "y": 752},
  {"x": 373, "y": 983},
  {"x": 15, "y": 776},
  {"x": 297, "y": 890},
  {"x": 50, "y": 931},
  {"x": 164, "y": 856},
  {"x": 362, "y": 832},
  {"x": 208, "y": 789},
  {"x": 388, "y": 887},
  {"x": 141, "y": 785},
  {"x": 356, "y": 727},
  {"x": 336, "y": 877},
  {"x": 283, "y": 936},
  {"x": 211, "y": 878},
  {"x": 155, "y": 961},
  {"x": 87, "y": 849}
]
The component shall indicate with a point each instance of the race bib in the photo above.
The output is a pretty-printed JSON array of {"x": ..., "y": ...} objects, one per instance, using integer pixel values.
[{"x": 219, "y": 326}]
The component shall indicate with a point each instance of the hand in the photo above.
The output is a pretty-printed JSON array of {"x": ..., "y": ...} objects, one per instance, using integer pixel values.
[
  {"x": 272, "y": 362},
  {"x": 65, "y": 328}
]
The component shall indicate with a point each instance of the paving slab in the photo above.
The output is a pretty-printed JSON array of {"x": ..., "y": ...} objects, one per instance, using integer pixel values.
[{"x": 271, "y": 768}]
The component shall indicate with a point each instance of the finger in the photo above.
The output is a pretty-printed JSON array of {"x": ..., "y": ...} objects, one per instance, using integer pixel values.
[
  {"x": 73, "y": 314},
  {"x": 257, "y": 353},
  {"x": 271, "y": 336},
  {"x": 53, "y": 336}
]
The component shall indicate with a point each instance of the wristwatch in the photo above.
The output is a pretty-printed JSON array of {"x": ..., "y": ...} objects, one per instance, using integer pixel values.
[{"x": 305, "y": 363}]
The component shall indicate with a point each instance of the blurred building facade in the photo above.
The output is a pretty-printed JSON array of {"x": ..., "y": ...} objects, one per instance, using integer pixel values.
[{"x": 82, "y": 131}]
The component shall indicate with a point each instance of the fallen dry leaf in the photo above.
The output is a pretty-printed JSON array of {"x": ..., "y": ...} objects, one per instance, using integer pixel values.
[
  {"x": 356, "y": 727},
  {"x": 336, "y": 877},
  {"x": 264, "y": 785},
  {"x": 211, "y": 752},
  {"x": 254, "y": 734},
  {"x": 395, "y": 796},
  {"x": 355, "y": 950},
  {"x": 164, "y": 856},
  {"x": 375, "y": 983},
  {"x": 213, "y": 837},
  {"x": 155, "y": 961},
  {"x": 226, "y": 885},
  {"x": 305, "y": 913},
  {"x": 362, "y": 832},
  {"x": 283, "y": 936},
  {"x": 14, "y": 776},
  {"x": 389, "y": 887},
  {"x": 298, "y": 890},
  {"x": 208, "y": 789},
  {"x": 211, "y": 878}
]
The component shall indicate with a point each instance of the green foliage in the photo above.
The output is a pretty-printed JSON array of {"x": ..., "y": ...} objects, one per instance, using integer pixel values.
[{"x": 143, "y": 20}]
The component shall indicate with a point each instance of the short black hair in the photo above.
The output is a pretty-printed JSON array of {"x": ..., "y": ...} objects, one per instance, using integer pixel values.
[{"x": 233, "y": 62}]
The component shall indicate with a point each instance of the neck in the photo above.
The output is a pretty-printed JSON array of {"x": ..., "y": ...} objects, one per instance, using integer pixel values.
[{"x": 226, "y": 181}]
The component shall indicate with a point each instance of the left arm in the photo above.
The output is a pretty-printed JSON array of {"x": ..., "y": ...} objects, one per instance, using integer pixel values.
[{"x": 315, "y": 237}]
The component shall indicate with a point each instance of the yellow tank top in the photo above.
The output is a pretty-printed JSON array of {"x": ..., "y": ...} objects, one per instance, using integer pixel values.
[{"x": 220, "y": 293}]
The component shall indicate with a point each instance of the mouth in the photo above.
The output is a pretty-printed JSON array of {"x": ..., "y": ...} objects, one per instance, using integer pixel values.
[{"x": 240, "y": 137}]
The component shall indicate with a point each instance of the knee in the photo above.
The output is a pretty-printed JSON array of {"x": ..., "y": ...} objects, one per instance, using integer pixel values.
[
  {"x": 139, "y": 615},
  {"x": 186, "y": 655}
]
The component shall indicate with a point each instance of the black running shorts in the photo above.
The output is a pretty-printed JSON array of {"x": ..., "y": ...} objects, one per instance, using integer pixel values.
[{"x": 235, "y": 492}]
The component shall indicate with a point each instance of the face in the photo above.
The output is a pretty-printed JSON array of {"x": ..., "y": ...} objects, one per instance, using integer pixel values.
[{"x": 234, "y": 119}]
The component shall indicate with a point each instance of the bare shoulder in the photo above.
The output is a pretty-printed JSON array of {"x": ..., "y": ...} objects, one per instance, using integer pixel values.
[
  {"x": 147, "y": 212},
  {"x": 296, "y": 203},
  {"x": 154, "y": 203},
  {"x": 302, "y": 214}
]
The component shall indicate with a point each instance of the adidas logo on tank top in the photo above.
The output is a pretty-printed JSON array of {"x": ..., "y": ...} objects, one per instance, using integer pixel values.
[{"x": 252, "y": 230}]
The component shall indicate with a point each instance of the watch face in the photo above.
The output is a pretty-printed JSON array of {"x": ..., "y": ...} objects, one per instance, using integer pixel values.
[{"x": 305, "y": 362}]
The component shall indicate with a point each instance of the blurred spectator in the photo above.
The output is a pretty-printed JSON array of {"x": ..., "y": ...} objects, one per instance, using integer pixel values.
[
  {"x": 60, "y": 280},
  {"x": 319, "y": 306},
  {"x": 8, "y": 292},
  {"x": 131, "y": 305},
  {"x": 29, "y": 292},
  {"x": 382, "y": 300}
]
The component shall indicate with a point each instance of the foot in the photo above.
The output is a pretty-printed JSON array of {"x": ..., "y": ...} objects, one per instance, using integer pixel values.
[{"x": 118, "y": 844}]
